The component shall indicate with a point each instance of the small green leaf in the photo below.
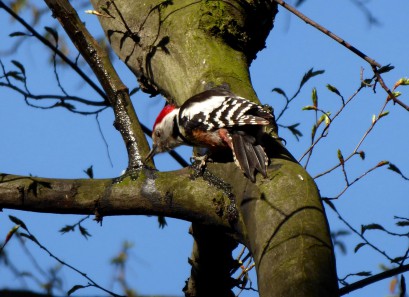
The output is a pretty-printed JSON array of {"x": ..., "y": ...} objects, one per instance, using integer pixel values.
[
  {"x": 15, "y": 74},
  {"x": 340, "y": 157},
  {"x": 364, "y": 273},
  {"x": 371, "y": 227},
  {"x": 293, "y": 129},
  {"x": 385, "y": 68},
  {"x": 19, "y": 66},
  {"x": 133, "y": 91},
  {"x": 309, "y": 74},
  {"x": 361, "y": 154},
  {"x": 279, "y": 91},
  {"x": 383, "y": 114},
  {"x": 84, "y": 232},
  {"x": 402, "y": 223},
  {"x": 396, "y": 94},
  {"x": 66, "y": 228},
  {"x": 309, "y": 107},
  {"x": 17, "y": 221},
  {"x": 359, "y": 245},
  {"x": 366, "y": 82},
  {"x": 382, "y": 163},
  {"x": 394, "y": 168},
  {"x": 314, "y": 97},
  {"x": 333, "y": 89},
  {"x": 398, "y": 259},
  {"x": 10, "y": 235},
  {"x": 327, "y": 118},
  {"x": 31, "y": 237},
  {"x": 314, "y": 130},
  {"x": 401, "y": 82},
  {"x": 75, "y": 288},
  {"x": 14, "y": 34}
]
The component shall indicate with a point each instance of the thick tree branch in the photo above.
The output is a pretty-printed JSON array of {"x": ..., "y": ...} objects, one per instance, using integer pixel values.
[
  {"x": 171, "y": 194},
  {"x": 126, "y": 120},
  {"x": 211, "y": 262}
]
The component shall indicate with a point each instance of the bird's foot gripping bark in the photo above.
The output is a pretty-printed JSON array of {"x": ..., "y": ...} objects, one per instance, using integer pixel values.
[
  {"x": 132, "y": 173},
  {"x": 199, "y": 162}
]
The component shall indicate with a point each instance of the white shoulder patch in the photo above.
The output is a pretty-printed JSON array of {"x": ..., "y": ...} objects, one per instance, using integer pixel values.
[{"x": 205, "y": 107}]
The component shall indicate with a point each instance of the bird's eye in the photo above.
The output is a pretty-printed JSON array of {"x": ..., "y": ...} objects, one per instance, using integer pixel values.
[{"x": 157, "y": 133}]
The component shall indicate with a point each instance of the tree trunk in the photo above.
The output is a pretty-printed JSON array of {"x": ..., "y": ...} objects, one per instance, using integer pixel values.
[{"x": 180, "y": 48}]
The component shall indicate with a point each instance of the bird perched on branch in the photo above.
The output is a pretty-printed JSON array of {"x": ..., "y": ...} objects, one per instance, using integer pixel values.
[{"x": 216, "y": 119}]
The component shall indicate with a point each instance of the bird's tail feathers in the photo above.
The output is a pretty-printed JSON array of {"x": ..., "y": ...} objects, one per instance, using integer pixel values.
[{"x": 250, "y": 157}]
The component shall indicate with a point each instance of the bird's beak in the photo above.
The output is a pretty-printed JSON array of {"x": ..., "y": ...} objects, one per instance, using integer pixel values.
[{"x": 151, "y": 153}]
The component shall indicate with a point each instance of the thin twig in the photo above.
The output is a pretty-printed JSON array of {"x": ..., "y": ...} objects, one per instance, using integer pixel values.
[
  {"x": 373, "y": 279},
  {"x": 354, "y": 152},
  {"x": 341, "y": 41},
  {"x": 356, "y": 231},
  {"x": 91, "y": 282},
  {"x": 385, "y": 87},
  {"x": 54, "y": 49},
  {"x": 323, "y": 134}
]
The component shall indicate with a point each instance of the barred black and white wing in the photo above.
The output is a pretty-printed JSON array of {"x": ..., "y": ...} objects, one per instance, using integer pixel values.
[
  {"x": 218, "y": 118},
  {"x": 215, "y": 109}
]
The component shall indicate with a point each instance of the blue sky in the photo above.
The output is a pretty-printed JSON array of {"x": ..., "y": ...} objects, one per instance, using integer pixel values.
[{"x": 55, "y": 143}]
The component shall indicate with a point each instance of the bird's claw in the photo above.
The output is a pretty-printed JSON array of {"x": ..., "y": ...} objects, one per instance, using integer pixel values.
[{"x": 200, "y": 161}]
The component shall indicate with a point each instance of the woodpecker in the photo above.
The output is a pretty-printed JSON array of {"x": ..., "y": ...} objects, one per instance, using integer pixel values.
[{"x": 216, "y": 119}]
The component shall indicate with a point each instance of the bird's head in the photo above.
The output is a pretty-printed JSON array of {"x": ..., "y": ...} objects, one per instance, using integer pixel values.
[{"x": 165, "y": 133}]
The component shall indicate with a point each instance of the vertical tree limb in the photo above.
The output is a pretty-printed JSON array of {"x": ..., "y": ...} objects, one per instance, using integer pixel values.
[{"x": 126, "y": 120}]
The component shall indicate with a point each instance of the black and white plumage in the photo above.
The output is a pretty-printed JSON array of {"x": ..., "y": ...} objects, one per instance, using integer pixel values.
[{"x": 216, "y": 119}]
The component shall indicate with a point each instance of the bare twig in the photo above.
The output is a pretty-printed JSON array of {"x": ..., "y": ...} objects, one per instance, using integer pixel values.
[
  {"x": 126, "y": 120},
  {"x": 360, "y": 235},
  {"x": 341, "y": 41},
  {"x": 355, "y": 151},
  {"x": 91, "y": 282},
  {"x": 53, "y": 48},
  {"x": 323, "y": 134},
  {"x": 375, "y": 65},
  {"x": 373, "y": 279}
]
